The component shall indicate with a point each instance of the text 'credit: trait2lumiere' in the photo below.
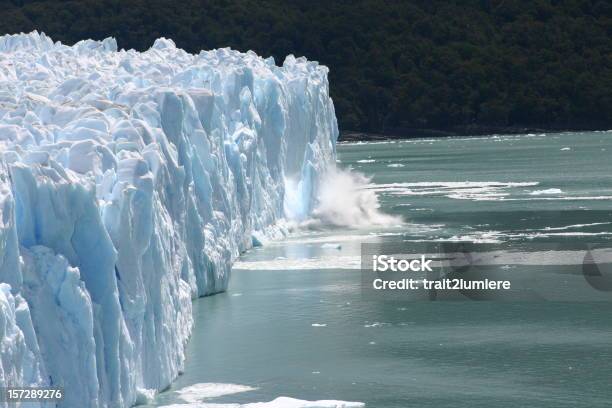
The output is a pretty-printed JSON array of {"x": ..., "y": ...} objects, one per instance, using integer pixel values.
[{"x": 385, "y": 263}]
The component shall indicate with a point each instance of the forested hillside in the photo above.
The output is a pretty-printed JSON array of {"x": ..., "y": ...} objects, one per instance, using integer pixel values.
[{"x": 396, "y": 66}]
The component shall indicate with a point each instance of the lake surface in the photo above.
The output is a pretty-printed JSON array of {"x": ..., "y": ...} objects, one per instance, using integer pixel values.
[{"x": 295, "y": 323}]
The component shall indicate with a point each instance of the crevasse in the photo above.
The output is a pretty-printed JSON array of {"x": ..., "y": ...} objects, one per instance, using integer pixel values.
[{"x": 129, "y": 182}]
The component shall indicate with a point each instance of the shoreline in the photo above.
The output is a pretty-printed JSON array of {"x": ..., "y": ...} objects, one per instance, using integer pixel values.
[{"x": 358, "y": 136}]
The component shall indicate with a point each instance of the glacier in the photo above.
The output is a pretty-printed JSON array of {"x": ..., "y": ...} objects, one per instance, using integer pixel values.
[{"x": 129, "y": 183}]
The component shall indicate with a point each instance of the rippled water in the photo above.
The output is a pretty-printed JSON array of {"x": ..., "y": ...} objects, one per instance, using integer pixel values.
[{"x": 294, "y": 322}]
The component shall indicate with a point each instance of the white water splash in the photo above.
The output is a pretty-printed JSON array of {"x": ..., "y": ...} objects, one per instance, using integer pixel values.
[{"x": 344, "y": 200}]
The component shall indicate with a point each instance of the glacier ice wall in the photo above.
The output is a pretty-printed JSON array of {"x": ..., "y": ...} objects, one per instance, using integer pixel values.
[{"x": 129, "y": 182}]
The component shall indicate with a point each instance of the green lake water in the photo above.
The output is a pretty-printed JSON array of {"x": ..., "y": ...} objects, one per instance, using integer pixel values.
[{"x": 294, "y": 321}]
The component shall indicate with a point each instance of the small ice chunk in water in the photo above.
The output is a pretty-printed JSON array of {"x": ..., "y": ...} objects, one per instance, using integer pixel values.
[
  {"x": 280, "y": 402},
  {"x": 196, "y": 394},
  {"x": 202, "y": 391},
  {"x": 547, "y": 191},
  {"x": 286, "y": 402},
  {"x": 332, "y": 245}
]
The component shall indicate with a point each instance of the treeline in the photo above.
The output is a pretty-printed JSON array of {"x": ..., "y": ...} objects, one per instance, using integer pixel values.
[{"x": 395, "y": 66}]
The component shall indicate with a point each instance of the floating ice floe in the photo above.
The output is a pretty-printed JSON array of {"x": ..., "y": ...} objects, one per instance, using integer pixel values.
[
  {"x": 280, "y": 402},
  {"x": 332, "y": 245},
  {"x": 459, "y": 190},
  {"x": 201, "y": 391},
  {"x": 547, "y": 191},
  {"x": 196, "y": 396},
  {"x": 319, "y": 262}
]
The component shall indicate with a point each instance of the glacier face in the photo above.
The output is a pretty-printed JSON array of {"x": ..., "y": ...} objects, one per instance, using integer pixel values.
[{"x": 129, "y": 182}]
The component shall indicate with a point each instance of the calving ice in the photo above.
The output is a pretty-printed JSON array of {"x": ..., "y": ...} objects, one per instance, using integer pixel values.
[
  {"x": 384, "y": 263},
  {"x": 129, "y": 183}
]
